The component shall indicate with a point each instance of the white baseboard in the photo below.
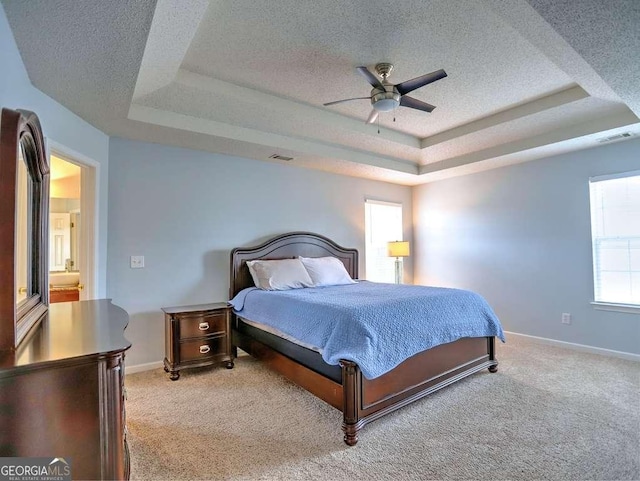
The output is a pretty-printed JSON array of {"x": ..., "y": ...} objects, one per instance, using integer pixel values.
[
  {"x": 580, "y": 347},
  {"x": 142, "y": 367}
]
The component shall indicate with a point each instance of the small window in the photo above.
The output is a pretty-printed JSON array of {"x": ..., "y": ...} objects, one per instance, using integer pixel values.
[
  {"x": 615, "y": 232},
  {"x": 383, "y": 224}
]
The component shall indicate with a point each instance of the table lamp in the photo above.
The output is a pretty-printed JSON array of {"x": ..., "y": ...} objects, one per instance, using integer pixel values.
[{"x": 398, "y": 249}]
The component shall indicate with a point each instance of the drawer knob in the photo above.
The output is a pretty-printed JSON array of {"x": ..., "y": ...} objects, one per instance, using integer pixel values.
[
  {"x": 203, "y": 326},
  {"x": 204, "y": 349}
]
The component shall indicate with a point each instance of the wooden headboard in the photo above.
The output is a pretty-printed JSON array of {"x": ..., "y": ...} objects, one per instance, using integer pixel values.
[{"x": 287, "y": 246}]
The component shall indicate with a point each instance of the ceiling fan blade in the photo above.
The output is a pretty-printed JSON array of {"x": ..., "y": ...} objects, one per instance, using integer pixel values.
[
  {"x": 372, "y": 79},
  {"x": 346, "y": 100},
  {"x": 415, "y": 104},
  {"x": 373, "y": 116},
  {"x": 416, "y": 83}
]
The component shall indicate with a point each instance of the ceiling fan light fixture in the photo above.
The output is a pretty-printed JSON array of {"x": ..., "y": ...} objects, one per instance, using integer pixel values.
[
  {"x": 385, "y": 101},
  {"x": 386, "y": 105}
]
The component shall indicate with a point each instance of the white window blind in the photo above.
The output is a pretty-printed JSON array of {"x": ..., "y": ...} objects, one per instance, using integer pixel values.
[
  {"x": 615, "y": 232},
  {"x": 383, "y": 224}
]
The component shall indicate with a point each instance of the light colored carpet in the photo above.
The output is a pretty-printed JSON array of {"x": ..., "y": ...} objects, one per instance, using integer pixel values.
[{"x": 549, "y": 414}]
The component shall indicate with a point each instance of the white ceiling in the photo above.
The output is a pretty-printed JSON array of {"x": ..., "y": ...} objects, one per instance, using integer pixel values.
[{"x": 526, "y": 79}]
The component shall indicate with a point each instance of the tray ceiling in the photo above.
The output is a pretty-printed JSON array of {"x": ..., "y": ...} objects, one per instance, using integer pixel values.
[{"x": 525, "y": 78}]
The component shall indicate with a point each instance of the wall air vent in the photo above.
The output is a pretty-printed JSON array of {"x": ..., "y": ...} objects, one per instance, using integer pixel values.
[
  {"x": 623, "y": 135},
  {"x": 280, "y": 157}
]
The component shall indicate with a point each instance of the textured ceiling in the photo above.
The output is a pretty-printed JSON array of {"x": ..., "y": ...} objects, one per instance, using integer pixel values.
[{"x": 246, "y": 78}]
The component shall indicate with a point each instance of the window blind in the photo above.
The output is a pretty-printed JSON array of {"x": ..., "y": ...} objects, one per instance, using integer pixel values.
[{"x": 615, "y": 231}]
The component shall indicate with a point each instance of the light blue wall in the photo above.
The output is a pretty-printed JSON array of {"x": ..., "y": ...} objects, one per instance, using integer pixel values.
[
  {"x": 184, "y": 210},
  {"x": 521, "y": 236},
  {"x": 59, "y": 125}
]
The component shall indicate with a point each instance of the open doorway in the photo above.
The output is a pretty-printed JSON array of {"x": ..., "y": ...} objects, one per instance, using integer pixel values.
[{"x": 71, "y": 217}]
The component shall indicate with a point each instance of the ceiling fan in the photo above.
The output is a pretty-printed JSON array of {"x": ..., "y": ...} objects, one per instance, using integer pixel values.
[{"x": 386, "y": 97}]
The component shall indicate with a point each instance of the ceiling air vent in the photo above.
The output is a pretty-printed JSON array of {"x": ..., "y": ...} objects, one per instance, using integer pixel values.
[
  {"x": 623, "y": 135},
  {"x": 280, "y": 157}
]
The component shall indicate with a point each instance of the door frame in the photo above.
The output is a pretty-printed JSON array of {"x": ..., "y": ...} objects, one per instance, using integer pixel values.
[{"x": 89, "y": 236}]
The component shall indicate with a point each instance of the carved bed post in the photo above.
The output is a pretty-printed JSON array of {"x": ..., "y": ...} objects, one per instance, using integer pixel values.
[
  {"x": 492, "y": 354},
  {"x": 351, "y": 394}
]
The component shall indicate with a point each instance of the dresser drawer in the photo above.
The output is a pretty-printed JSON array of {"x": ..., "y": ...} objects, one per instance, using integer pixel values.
[
  {"x": 199, "y": 324},
  {"x": 202, "y": 348}
]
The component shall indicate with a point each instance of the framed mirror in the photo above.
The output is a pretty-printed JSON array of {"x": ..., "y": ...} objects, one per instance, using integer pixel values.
[{"x": 24, "y": 206}]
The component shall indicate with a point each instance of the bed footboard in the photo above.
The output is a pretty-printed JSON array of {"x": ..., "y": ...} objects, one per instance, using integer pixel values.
[
  {"x": 363, "y": 400},
  {"x": 366, "y": 400}
]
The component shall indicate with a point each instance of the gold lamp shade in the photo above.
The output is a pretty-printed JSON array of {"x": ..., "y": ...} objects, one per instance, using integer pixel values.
[{"x": 398, "y": 249}]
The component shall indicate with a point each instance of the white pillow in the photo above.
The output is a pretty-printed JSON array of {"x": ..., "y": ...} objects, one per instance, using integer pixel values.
[
  {"x": 326, "y": 271},
  {"x": 279, "y": 275}
]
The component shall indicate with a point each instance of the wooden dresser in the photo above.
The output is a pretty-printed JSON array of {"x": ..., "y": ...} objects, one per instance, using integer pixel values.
[{"x": 62, "y": 390}]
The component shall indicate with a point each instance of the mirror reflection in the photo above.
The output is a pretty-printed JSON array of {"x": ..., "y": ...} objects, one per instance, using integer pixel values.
[
  {"x": 22, "y": 230},
  {"x": 64, "y": 229}
]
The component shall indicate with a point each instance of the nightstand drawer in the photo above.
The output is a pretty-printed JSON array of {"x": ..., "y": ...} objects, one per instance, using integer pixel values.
[
  {"x": 202, "y": 348},
  {"x": 199, "y": 324}
]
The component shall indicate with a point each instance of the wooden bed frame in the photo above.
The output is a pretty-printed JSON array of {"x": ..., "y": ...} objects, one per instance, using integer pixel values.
[{"x": 344, "y": 387}]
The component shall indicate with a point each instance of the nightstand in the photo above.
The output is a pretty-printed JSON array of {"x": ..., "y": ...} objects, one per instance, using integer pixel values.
[{"x": 197, "y": 336}]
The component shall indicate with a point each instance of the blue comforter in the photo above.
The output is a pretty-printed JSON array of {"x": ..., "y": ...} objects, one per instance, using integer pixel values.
[{"x": 376, "y": 325}]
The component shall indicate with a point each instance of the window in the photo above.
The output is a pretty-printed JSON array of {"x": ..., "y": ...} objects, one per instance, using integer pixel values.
[
  {"x": 383, "y": 223},
  {"x": 615, "y": 232}
]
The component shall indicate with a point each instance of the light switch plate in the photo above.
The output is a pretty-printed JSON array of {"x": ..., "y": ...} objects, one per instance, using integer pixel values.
[{"x": 137, "y": 262}]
